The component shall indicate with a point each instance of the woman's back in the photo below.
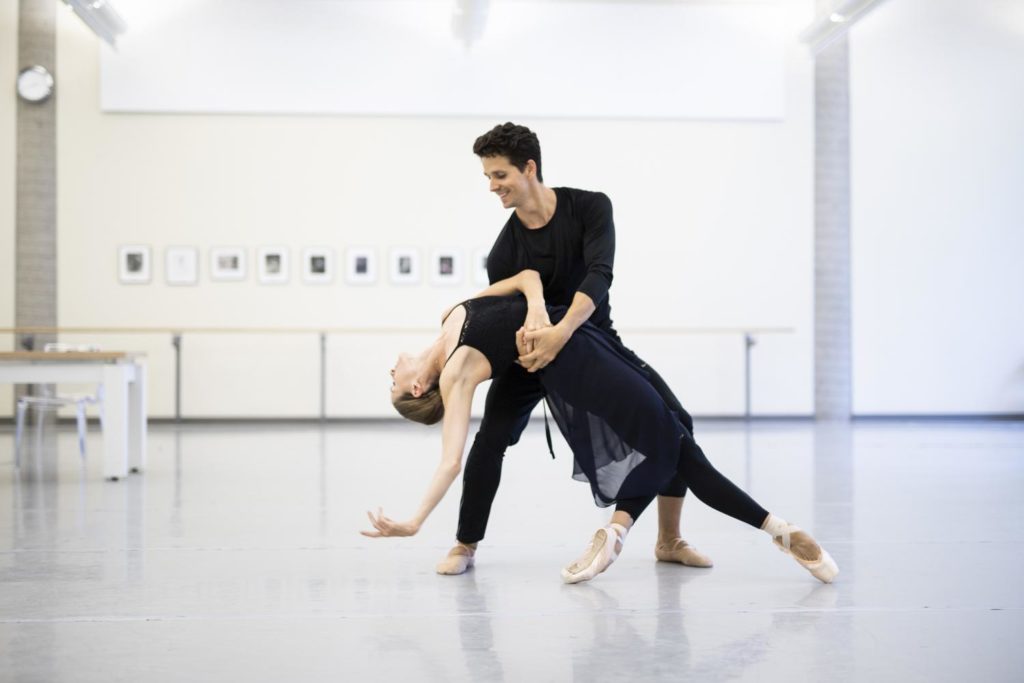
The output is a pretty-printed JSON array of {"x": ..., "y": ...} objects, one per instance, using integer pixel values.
[{"x": 490, "y": 326}]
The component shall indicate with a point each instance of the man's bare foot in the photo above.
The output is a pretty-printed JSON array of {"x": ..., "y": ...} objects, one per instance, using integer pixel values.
[
  {"x": 678, "y": 550},
  {"x": 459, "y": 559}
]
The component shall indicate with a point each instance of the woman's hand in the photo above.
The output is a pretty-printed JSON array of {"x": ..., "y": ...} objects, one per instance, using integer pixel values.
[
  {"x": 521, "y": 346},
  {"x": 388, "y": 527},
  {"x": 536, "y": 319}
]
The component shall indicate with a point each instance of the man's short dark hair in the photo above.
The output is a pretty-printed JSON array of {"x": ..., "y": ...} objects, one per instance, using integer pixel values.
[{"x": 518, "y": 143}]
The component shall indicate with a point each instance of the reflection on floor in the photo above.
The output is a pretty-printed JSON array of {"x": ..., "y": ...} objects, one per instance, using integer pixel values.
[{"x": 236, "y": 556}]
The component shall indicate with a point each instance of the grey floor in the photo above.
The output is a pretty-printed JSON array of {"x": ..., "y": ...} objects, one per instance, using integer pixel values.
[{"x": 236, "y": 556}]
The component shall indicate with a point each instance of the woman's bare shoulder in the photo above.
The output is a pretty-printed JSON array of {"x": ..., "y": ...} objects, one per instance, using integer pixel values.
[{"x": 466, "y": 366}]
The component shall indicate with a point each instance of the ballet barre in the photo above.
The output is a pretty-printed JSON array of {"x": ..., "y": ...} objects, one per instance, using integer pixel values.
[{"x": 749, "y": 336}]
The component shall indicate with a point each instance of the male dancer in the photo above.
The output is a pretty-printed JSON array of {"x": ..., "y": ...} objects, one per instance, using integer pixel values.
[{"x": 569, "y": 237}]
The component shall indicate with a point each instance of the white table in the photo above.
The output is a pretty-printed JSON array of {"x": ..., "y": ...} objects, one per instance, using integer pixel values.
[{"x": 124, "y": 400}]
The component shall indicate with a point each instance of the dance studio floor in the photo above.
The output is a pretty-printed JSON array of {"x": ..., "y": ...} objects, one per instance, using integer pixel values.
[{"x": 236, "y": 556}]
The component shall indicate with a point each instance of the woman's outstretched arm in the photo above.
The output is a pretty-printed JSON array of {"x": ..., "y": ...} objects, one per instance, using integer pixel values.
[{"x": 458, "y": 384}]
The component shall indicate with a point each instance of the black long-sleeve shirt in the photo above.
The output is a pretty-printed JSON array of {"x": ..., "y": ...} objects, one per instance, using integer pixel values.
[{"x": 574, "y": 252}]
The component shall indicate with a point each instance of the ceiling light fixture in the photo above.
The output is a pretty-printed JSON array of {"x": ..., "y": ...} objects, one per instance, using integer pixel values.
[
  {"x": 100, "y": 16},
  {"x": 835, "y": 23}
]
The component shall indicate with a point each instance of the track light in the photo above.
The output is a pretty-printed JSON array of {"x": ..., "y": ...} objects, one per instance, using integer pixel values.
[
  {"x": 835, "y": 23},
  {"x": 469, "y": 20},
  {"x": 100, "y": 16}
]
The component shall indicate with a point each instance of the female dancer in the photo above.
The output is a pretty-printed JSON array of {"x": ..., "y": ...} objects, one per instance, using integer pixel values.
[{"x": 625, "y": 440}]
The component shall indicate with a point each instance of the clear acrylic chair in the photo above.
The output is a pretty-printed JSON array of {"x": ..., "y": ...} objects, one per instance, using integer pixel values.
[{"x": 42, "y": 403}]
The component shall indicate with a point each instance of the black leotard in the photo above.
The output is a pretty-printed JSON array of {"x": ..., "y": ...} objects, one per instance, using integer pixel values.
[{"x": 490, "y": 328}]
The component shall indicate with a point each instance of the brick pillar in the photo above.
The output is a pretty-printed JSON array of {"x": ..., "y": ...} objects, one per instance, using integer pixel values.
[
  {"x": 35, "y": 288},
  {"x": 833, "y": 395}
]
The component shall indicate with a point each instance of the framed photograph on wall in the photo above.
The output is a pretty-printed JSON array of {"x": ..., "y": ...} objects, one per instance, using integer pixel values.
[
  {"x": 272, "y": 265},
  {"x": 446, "y": 267},
  {"x": 227, "y": 263},
  {"x": 317, "y": 265},
  {"x": 480, "y": 267},
  {"x": 133, "y": 264},
  {"x": 181, "y": 265},
  {"x": 360, "y": 266},
  {"x": 405, "y": 266}
]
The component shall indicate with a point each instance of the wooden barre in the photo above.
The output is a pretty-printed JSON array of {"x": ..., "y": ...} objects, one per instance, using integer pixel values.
[{"x": 58, "y": 356}]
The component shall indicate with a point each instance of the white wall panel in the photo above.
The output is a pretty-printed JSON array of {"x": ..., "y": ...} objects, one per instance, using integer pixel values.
[
  {"x": 573, "y": 59},
  {"x": 938, "y": 225}
]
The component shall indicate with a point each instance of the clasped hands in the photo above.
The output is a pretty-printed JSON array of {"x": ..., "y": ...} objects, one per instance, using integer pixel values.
[{"x": 538, "y": 341}]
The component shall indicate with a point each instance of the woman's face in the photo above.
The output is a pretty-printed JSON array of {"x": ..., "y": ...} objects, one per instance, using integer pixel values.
[{"x": 403, "y": 376}]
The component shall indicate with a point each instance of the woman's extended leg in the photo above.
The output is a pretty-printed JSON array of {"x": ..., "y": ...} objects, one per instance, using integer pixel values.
[{"x": 714, "y": 489}]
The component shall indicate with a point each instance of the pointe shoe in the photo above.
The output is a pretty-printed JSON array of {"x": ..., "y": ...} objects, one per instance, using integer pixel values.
[
  {"x": 598, "y": 556},
  {"x": 458, "y": 561},
  {"x": 682, "y": 552},
  {"x": 799, "y": 545}
]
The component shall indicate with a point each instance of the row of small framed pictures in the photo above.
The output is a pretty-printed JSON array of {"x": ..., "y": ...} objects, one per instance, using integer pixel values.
[{"x": 181, "y": 265}]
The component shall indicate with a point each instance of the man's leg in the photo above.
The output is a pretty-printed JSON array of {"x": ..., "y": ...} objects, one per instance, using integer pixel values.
[
  {"x": 510, "y": 400},
  {"x": 670, "y": 546}
]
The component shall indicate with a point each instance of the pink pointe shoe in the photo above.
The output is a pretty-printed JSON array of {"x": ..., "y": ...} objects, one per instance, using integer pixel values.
[
  {"x": 598, "y": 556},
  {"x": 799, "y": 545}
]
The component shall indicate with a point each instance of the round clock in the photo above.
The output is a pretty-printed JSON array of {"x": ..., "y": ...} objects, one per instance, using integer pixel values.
[{"x": 35, "y": 84}]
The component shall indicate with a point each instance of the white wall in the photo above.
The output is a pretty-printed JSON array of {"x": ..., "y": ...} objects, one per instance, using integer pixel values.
[
  {"x": 8, "y": 132},
  {"x": 937, "y": 130},
  {"x": 713, "y": 218},
  {"x": 404, "y": 57}
]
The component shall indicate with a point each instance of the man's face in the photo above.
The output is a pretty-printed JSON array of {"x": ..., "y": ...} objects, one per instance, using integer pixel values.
[{"x": 508, "y": 182}]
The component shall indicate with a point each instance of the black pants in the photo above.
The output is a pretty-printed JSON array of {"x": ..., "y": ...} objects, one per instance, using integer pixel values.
[
  {"x": 510, "y": 401},
  {"x": 708, "y": 484}
]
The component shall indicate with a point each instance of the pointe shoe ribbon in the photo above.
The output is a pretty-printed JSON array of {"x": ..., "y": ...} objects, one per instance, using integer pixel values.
[{"x": 823, "y": 568}]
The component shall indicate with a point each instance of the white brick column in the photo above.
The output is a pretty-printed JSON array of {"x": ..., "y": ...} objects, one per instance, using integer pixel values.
[
  {"x": 35, "y": 288},
  {"x": 833, "y": 395}
]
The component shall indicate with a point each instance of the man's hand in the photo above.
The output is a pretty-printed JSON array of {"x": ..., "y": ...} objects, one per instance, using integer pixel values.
[
  {"x": 536, "y": 319},
  {"x": 388, "y": 527},
  {"x": 547, "y": 343}
]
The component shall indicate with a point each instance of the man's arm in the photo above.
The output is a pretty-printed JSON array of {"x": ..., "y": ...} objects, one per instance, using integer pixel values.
[
  {"x": 599, "y": 257},
  {"x": 526, "y": 282}
]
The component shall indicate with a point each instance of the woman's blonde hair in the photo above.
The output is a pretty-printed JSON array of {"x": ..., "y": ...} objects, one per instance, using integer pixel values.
[{"x": 428, "y": 409}]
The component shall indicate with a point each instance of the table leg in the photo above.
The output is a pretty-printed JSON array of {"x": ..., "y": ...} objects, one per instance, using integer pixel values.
[
  {"x": 115, "y": 421},
  {"x": 137, "y": 419}
]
